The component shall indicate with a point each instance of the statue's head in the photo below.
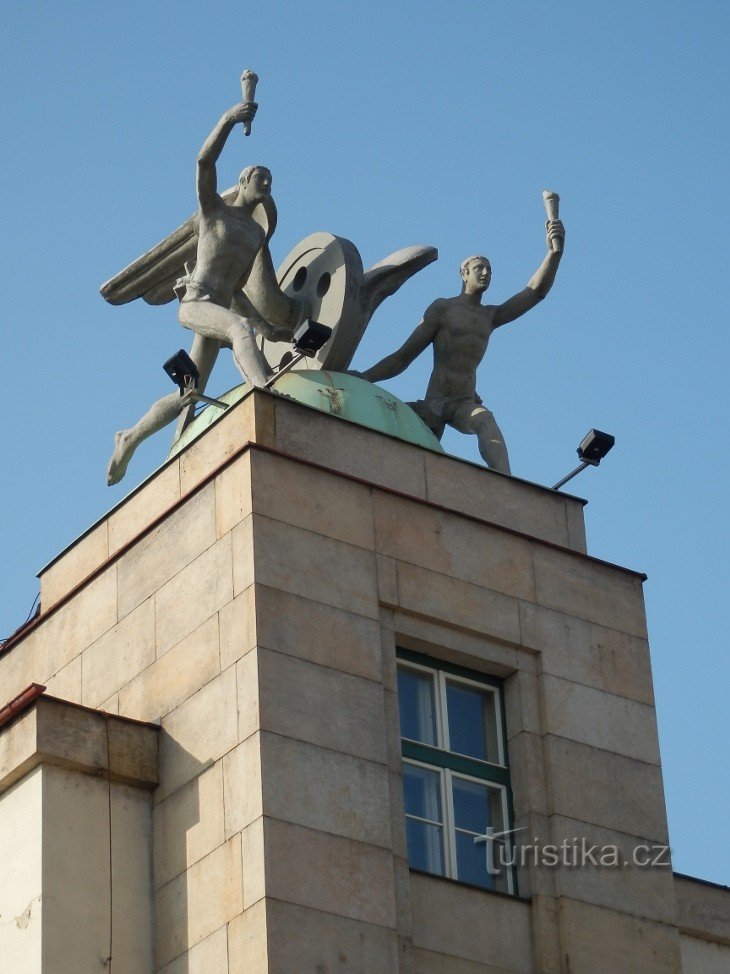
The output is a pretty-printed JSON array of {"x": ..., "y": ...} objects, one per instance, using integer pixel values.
[
  {"x": 255, "y": 183},
  {"x": 476, "y": 274}
]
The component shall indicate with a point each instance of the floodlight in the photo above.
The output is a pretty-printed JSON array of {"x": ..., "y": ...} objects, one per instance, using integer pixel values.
[
  {"x": 310, "y": 336},
  {"x": 184, "y": 373},
  {"x": 594, "y": 446},
  {"x": 591, "y": 450},
  {"x": 182, "y": 370},
  {"x": 307, "y": 340}
]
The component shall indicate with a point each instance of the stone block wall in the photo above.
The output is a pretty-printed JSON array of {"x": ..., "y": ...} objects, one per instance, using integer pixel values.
[{"x": 250, "y": 598}]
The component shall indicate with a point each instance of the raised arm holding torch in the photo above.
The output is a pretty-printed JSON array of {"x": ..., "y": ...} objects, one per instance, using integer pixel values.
[{"x": 249, "y": 80}]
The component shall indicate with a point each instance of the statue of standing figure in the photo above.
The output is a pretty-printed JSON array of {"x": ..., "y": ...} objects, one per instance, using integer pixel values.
[
  {"x": 459, "y": 329},
  {"x": 229, "y": 242}
]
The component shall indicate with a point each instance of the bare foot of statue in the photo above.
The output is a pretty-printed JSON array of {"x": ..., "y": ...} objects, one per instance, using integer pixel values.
[{"x": 123, "y": 450}]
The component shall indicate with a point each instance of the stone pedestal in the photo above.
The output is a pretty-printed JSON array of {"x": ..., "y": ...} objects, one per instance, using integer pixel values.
[{"x": 250, "y": 597}]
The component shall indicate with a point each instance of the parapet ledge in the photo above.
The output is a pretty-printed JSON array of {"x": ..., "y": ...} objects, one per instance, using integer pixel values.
[
  {"x": 310, "y": 436},
  {"x": 52, "y": 731},
  {"x": 703, "y": 909}
]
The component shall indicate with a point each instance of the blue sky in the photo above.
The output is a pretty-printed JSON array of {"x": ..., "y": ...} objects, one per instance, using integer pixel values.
[{"x": 394, "y": 124}]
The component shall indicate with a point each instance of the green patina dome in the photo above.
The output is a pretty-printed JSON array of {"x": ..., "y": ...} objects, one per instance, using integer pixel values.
[{"x": 344, "y": 396}]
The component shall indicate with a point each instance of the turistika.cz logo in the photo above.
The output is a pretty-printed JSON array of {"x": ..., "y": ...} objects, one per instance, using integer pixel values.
[{"x": 572, "y": 853}]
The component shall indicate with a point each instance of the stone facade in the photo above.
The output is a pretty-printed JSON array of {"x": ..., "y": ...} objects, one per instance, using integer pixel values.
[{"x": 249, "y": 598}]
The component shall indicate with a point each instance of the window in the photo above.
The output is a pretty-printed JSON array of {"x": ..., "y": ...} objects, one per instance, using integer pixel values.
[{"x": 455, "y": 774}]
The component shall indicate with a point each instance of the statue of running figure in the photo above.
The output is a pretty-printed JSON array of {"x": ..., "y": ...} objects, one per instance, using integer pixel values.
[
  {"x": 459, "y": 329},
  {"x": 213, "y": 305}
]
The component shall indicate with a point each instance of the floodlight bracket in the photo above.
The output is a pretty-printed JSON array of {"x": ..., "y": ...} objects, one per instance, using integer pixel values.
[{"x": 591, "y": 450}]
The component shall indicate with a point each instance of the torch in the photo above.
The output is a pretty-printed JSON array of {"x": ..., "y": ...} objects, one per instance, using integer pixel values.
[
  {"x": 552, "y": 202},
  {"x": 249, "y": 80}
]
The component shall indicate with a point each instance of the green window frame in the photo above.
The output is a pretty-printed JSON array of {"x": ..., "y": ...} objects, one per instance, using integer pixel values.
[{"x": 456, "y": 783}]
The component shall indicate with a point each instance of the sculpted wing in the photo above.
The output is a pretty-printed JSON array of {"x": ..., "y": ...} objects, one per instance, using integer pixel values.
[{"x": 153, "y": 275}]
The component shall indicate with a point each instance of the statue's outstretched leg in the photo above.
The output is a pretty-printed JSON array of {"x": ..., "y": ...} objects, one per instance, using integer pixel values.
[
  {"x": 127, "y": 441},
  {"x": 212, "y": 321},
  {"x": 479, "y": 420}
]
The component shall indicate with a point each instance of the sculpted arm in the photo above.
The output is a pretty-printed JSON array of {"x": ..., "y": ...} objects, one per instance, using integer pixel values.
[
  {"x": 207, "y": 183},
  {"x": 396, "y": 363},
  {"x": 538, "y": 285}
]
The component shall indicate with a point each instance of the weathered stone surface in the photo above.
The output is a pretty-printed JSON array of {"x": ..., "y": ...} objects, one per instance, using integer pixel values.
[
  {"x": 195, "y": 904},
  {"x": 602, "y": 720},
  {"x": 242, "y": 789},
  {"x": 242, "y": 552},
  {"x": 316, "y": 500},
  {"x": 319, "y": 633},
  {"x": 387, "y": 581},
  {"x": 605, "y": 789},
  {"x": 168, "y": 549},
  {"x": 132, "y": 899},
  {"x": 325, "y": 790},
  {"x": 219, "y": 443},
  {"x": 21, "y": 859},
  {"x": 589, "y": 589},
  {"x": 491, "y": 929},
  {"x": 237, "y": 622},
  {"x": 170, "y": 680},
  {"x": 18, "y": 667},
  {"x": 361, "y": 453},
  {"x": 133, "y": 752},
  {"x": 254, "y": 853},
  {"x": 77, "y": 624},
  {"x": 76, "y": 928},
  {"x": 209, "y": 955},
  {"x": 703, "y": 956},
  {"x": 458, "y": 603},
  {"x": 66, "y": 684},
  {"x": 702, "y": 908},
  {"x": 304, "y": 563},
  {"x": 428, "y": 962},
  {"x": 247, "y": 679},
  {"x": 641, "y": 890},
  {"x": 321, "y": 706},
  {"x": 437, "y": 638},
  {"x": 528, "y": 774},
  {"x": 305, "y": 940},
  {"x": 145, "y": 505},
  {"x": 584, "y": 652},
  {"x": 76, "y": 563},
  {"x": 119, "y": 655},
  {"x": 193, "y": 595},
  {"x": 57, "y": 733},
  {"x": 233, "y": 494},
  {"x": 453, "y": 546},
  {"x": 512, "y": 503},
  {"x": 188, "y": 825},
  {"x": 607, "y": 941},
  {"x": 197, "y": 733},
  {"x": 329, "y": 873},
  {"x": 522, "y": 703},
  {"x": 248, "y": 942}
]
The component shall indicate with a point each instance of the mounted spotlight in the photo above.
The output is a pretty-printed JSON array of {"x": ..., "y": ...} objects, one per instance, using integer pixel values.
[
  {"x": 182, "y": 370},
  {"x": 591, "y": 450},
  {"x": 307, "y": 340},
  {"x": 310, "y": 336},
  {"x": 184, "y": 373}
]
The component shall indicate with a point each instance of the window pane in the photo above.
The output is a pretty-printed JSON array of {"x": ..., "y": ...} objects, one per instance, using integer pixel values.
[
  {"x": 417, "y": 704},
  {"x": 425, "y": 846},
  {"x": 422, "y": 792},
  {"x": 471, "y": 806},
  {"x": 472, "y": 722},
  {"x": 471, "y": 861}
]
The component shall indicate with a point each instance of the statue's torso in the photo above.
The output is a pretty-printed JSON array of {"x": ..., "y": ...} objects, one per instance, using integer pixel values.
[
  {"x": 228, "y": 241},
  {"x": 460, "y": 342}
]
